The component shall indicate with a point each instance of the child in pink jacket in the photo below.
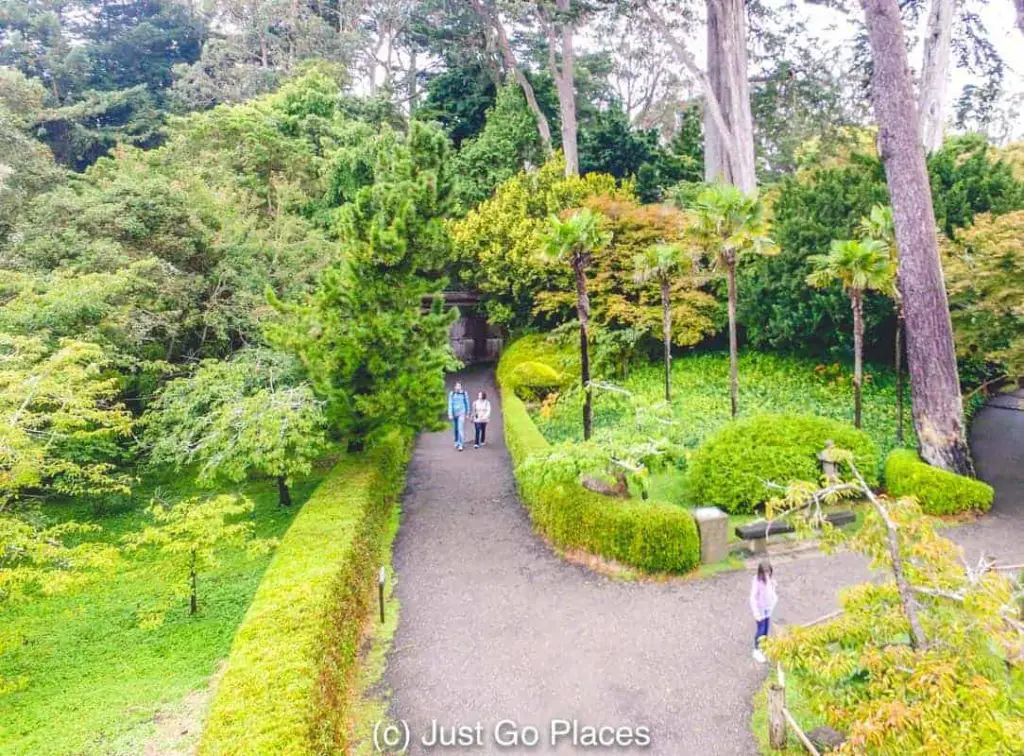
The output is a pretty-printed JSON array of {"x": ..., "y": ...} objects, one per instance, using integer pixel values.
[{"x": 762, "y": 603}]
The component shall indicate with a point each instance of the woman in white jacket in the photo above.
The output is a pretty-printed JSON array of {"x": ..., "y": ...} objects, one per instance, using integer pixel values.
[
  {"x": 763, "y": 599},
  {"x": 481, "y": 416}
]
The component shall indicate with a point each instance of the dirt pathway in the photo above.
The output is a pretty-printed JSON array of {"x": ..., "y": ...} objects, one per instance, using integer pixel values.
[{"x": 495, "y": 627}]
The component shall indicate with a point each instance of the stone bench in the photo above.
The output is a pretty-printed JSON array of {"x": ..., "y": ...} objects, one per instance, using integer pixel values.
[{"x": 757, "y": 532}]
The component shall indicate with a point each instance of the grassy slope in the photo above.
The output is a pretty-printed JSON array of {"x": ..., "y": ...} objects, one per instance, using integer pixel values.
[{"x": 96, "y": 677}]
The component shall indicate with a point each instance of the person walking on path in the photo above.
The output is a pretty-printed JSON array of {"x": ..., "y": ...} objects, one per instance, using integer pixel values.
[
  {"x": 762, "y": 603},
  {"x": 481, "y": 416},
  {"x": 458, "y": 408}
]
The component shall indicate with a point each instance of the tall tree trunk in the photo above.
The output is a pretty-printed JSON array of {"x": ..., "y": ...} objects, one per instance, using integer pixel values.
[
  {"x": 666, "y": 329},
  {"x": 1020, "y": 15},
  {"x": 935, "y": 385},
  {"x": 898, "y": 359},
  {"x": 491, "y": 19},
  {"x": 563, "y": 72},
  {"x": 734, "y": 370},
  {"x": 857, "y": 302},
  {"x": 284, "y": 496},
  {"x": 583, "y": 312},
  {"x": 727, "y": 73},
  {"x": 934, "y": 96}
]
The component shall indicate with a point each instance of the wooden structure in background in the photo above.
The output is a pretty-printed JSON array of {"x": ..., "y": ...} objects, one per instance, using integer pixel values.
[{"x": 472, "y": 338}]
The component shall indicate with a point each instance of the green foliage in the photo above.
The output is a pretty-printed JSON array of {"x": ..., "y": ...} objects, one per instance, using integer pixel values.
[
  {"x": 968, "y": 177},
  {"x": 38, "y": 557},
  {"x": 362, "y": 339},
  {"x": 939, "y": 492},
  {"x": 63, "y": 429},
  {"x": 290, "y": 668},
  {"x": 499, "y": 240},
  {"x": 955, "y": 686},
  {"x": 534, "y": 380},
  {"x": 506, "y": 144},
  {"x": 190, "y": 534},
  {"x": 857, "y": 265},
  {"x": 236, "y": 416},
  {"x": 88, "y": 646},
  {"x": 731, "y": 469},
  {"x": 652, "y": 536},
  {"x": 574, "y": 239},
  {"x": 984, "y": 271}
]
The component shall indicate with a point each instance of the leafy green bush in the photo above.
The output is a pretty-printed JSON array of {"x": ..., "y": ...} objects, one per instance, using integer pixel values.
[
  {"x": 653, "y": 536},
  {"x": 730, "y": 470},
  {"x": 938, "y": 491},
  {"x": 534, "y": 380},
  {"x": 538, "y": 347},
  {"x": 287, "y": 684}
]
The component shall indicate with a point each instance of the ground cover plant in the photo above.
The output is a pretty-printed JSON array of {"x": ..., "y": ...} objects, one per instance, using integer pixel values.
[
  {"x": 768, "y": 384},
  {"x": 93, "y": 671}
]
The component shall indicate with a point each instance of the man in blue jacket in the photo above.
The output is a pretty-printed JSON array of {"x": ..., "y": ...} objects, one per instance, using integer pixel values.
[{"x": 458, "y": 408}]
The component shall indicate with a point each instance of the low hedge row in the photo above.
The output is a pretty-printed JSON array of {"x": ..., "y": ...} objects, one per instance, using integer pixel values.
[
  {"x": 289, "y": 672},
  {"x": 939, "y": 492},
  {"x": 731, "y": 468},
  {"x": 652, "y": 536}
]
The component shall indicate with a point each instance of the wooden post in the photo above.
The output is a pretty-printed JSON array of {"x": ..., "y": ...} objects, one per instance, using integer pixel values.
[{"x": 776, "y": 717}]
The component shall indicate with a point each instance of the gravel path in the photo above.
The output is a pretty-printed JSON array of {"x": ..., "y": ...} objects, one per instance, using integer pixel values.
[{"x": 495, "y": 627}]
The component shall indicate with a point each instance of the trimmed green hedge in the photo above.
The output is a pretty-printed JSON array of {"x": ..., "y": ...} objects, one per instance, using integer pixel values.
[
  {"x": 288, "y": 677},
  {"x": 653, "y": 536},
  {"x": 535, "y": 380},
  {"x": 730, "y": 468},
  {"x": 939, "y": 492}
]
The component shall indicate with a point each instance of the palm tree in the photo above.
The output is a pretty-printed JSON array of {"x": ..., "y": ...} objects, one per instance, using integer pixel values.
[
  {"x": 731, "y": 224},
  {"x": 659, "y": 263},
  {"x": 879, "y": 225},
  {"x": 859, "y": 266},
  {"x": 574, "y": 240}
]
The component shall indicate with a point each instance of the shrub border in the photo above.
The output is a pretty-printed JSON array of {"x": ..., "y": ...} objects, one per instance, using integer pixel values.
[
  {"x": 607, "y": 527},
  {"x": 289, "y": 677},
  {"x": 939, "y": 492}
]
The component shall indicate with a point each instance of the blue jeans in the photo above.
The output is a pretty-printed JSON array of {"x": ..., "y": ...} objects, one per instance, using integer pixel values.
[
  {"x": 762, "y": 631},
  {"x": 458, "y": 426}
]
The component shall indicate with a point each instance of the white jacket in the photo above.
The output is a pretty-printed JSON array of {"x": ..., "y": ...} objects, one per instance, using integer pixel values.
[{"x": 481, "y": 410}]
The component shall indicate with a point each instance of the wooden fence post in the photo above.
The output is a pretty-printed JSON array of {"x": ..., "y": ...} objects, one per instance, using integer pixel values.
[{"x": 776, "y": 716}]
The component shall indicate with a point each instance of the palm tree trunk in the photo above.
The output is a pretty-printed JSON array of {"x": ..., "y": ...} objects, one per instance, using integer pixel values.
[
  {"x": 734, "y": 371},
  {"x": 856, "y": 302},
  {"x": 899, "y": 373},
  {"x": 583, "y": 311},
  {"x": 193, "y": 599},
  {"x": 666, "y": 324},
  {"x": 284, "y": 497}
]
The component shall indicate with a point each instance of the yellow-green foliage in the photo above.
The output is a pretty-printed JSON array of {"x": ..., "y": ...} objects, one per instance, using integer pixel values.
[
  {"x": 650, "y": 535},
  {"x": 984, "y": 271},
  {"x": 938, "y": 491},
  {"x": 501, "y": 238},
  {"x": 730, "y": 469},
  {"x": 534, "y": 380},
  {"x": 537, "y": 348},
  {"x": 287, "y": 683}
]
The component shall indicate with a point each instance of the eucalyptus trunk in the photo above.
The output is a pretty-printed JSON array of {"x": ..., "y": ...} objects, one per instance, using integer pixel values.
[
  {"x": 857, "y": 303},
  {"x": 583, "y": 312},
  {"x": 284, "y": 496},
  {"x": 563, "y": 73},
  {"x": 666, "y": 329},
  {"x": 935, "y": 385},
  {"x": 729, "y": 152},
  {"x": 734, "y": 370},
  {"x": 934, "y": 99}
]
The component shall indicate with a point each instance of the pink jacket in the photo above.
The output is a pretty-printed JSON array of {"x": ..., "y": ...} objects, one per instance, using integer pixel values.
[{"x": 762, "y": 598}]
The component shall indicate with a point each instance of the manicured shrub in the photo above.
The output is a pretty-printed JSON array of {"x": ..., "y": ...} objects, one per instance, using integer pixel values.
[
  {"x": 540, "y": 348},
  {"x": 287, "y": 685},
  {"x": 652, "y": 536},
  {"x": 731, "y": 468},
  {"x": 939, "y": 492},
  {"x": 535, "y": 380}
]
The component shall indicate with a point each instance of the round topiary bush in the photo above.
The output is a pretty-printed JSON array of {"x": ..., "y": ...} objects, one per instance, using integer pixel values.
[
  {"x": 731, "y": 468},
  {"x": 938, "y": 491},
  {"x": 535, "y": 380}
]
